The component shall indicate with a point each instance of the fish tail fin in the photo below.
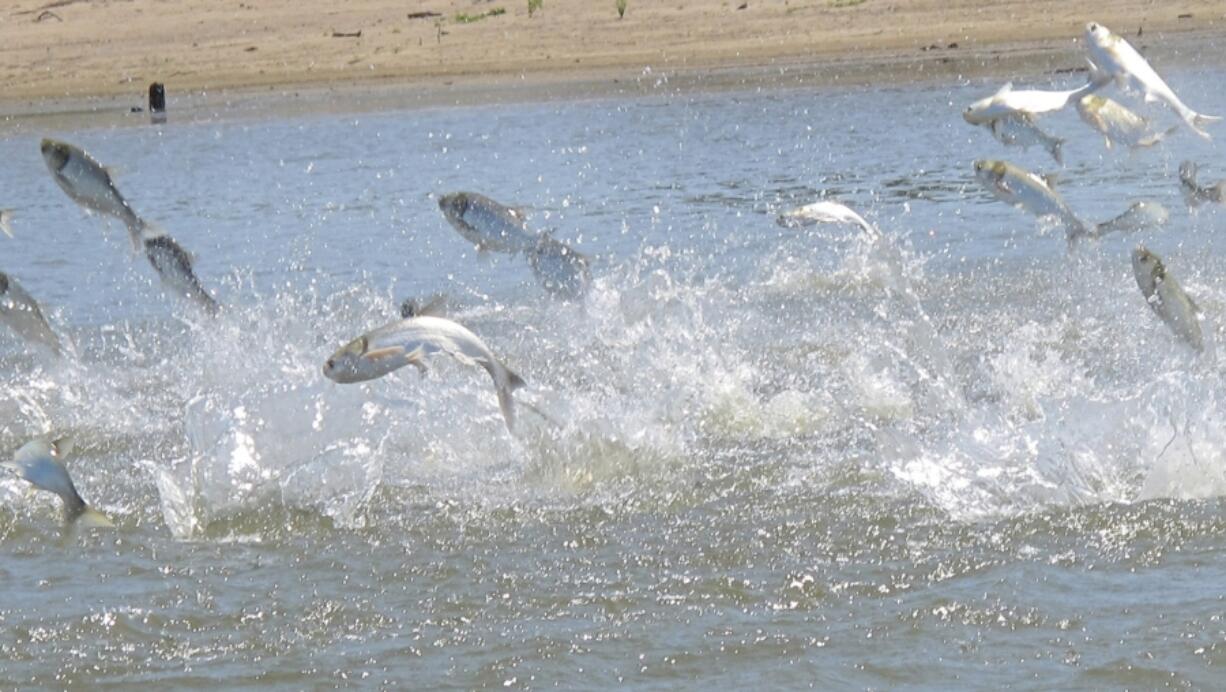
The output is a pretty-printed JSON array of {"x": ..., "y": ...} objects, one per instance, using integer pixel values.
[
  {"x": 1154, "y": 139},
  {"x": 507, "y": 383},
  {"x": 1195, "y": 121},
  {"x": 6, "y": 220},
  {"x": 92, "y": 518}
]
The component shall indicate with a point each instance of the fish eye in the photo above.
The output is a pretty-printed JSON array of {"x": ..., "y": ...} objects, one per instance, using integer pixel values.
[{"x": 330, "y": 364}]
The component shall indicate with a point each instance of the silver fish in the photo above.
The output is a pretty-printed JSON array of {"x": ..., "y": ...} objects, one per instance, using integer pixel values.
[
  {"x": 174, "y": 266},
  {"x": 487, "y": 224},
  {"x": 1166, "y": 297},
  {"x": 21, "y": 313},
  {"x": 89, "y": 184},
  {"x": 1021, "y": 131},
  {"x": 435, "y": 306},
  {"x": 1117, "y": 124},
  {"x": 826, "y": 212},
  {"x": 1140, "y": 216},
  {"x": 409, "y": 342},
  {"x": 1023, "y": 189},
  {"x": 39, "y": 462},
  {"x": 559, "y": 268},
  {"x": 1114, "y": 57},
  {"x": 1007, "y": 102},
  {"x": 1193, "y": 193}
]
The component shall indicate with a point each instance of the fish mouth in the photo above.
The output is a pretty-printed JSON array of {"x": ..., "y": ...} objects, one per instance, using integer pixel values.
[{"x": 55, "y": 153}]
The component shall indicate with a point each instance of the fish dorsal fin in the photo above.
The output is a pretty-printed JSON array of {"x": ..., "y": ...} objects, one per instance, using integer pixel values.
[
  {"x": 112, "y": 171},
  {"x": 1005, "y": 89},
  {"x": 1050, "y": 180},
  {"x": 62, "y": 447}
]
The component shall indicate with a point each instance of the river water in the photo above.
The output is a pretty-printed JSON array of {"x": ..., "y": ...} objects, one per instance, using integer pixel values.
[{"x": 961, "y": 455}]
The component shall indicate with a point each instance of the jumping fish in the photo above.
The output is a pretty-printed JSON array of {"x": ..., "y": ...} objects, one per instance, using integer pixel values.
[
  {"x": 1193, "y": 193},
  {"x": 89, "y": 184},
  {"x": 561, "y": 269},
  {"x": 435, "y": 306},
  {"x": 1117, "y": 124},
  {"x": 1028, "y": 191},
  {"x": 1140, "y": 216},
  {"x": 1166, "y": 297},
  {"x": 1021, "y": 131},
  {"x": 1115, "y": 58},
  {"x": 21, "y": 313},
  {"x": 174, "y": 265},
  {"x": 409, "y": 342},
  {"x": 487, "y": 224},
  {"x": 826, "y": 212},
  {"x": 1025, "y": 104},
  {"x": 39, "y": 462}
]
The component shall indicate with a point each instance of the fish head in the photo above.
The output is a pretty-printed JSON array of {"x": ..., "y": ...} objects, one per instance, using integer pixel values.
[
  {"x": 1099, "y": 35},
  {"x": 1091, "y": 103},
  {"x": 989, "y": 172},
  {"x": 349, "y": 364},
  {"x": 36, "y": 462},
  {"x": 977, "y": 112},
  {"x": 1148, "y": 270},
  {"x": 453, "y": 206},
  {"x": 1187, "y": 174},
  {"x": 56, "y": 154}
]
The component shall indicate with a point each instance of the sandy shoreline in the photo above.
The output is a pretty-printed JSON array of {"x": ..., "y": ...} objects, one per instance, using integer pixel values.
[{"x": 226, "y": 58}]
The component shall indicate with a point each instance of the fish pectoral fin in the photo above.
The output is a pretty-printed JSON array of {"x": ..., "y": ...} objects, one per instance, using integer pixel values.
[
  {"x": 1005, "y": 89},
  {"x": 384, "y": 353},
  {"x": 418, "y": 360}
]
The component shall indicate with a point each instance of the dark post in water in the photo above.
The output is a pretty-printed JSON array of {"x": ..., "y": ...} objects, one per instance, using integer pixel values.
[{"x": 157, "y": 102}]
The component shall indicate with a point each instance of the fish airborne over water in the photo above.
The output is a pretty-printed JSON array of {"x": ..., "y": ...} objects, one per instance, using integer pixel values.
[
  {"x": 21, "y": 313},
  {"x": 40, "y": 463},
  {"x": 1193, "y": 193},
  {"x": 1166, "y": 298},
  {"x": 1117, "y": 124},
  {"x": 1023, "y": 104},
  {"x": 174, "y": 265},
  {"x": 1114, "y": 57},
  {"x": 1025, "y": 190},
  {"x": 487, "y": 224},
  {"x": 89, "y": 184},
  {"x": 409, "y": 342},
  {"x": 561, "y": 269}
]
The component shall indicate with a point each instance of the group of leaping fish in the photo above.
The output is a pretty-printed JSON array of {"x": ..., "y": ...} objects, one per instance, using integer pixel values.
[
  {"x": 492, "y": 227},
  {"x": 420, "y": 333}
]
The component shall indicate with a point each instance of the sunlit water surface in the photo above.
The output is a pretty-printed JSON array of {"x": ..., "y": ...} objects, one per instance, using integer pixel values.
[{"x": 781, "y": 457}]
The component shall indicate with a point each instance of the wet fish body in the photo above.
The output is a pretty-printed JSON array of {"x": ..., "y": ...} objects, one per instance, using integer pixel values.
[
  {"x": 410, "y": 342},
  {"x": 826, "y": 211},
  {"x": 1027, "y": 103},
  {"x": 561, "y": 269},
  {"x": 1166, "y": 297},
  {"x": 20, "y": 312},
  {"x": 1021, "y": 131},
  {"x": 1023, "y": 189},
  {"x": 89, "y": 184},
  {"x": 1117, "y": 124},
  {"x": 1193, "y": 193},
  {"x": 488, "y": 225},
  {"x": 174, "y": 265},
  {"x": 1113, "y": 57},
  {"x": 1143, "y": 215},
  {"x": 39, "y": 463}
]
